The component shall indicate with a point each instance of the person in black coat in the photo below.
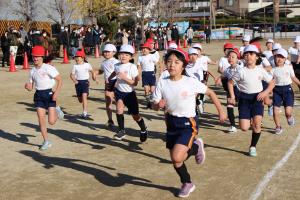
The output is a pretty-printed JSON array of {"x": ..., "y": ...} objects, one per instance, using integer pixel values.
[
  {"x": 88, "y": 41},
  {"x": 175, "y": 34},
  {"x": 5, "y": 49}
]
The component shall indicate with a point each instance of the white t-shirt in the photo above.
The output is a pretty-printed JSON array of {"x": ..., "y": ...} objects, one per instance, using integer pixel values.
[
  {"x": 132, "y": 73},
  {"x": 43, "y": 77},
  {"x": 147, "y": 62},
  {"x": 164, "y": 74},
  {"x": 265, "y": 62},
  {"x": 108, "y": 67},
  {"x": 249, "y": 81},
  {"x": 268, "y": 53},
  {"x": 180, "y": 96},
  {"x": 223, "y": 64},
  {"x": 282, "y": 75},
  {"x": 294, "y": 54},
  {"x": 203, "y": 62},
  {"x": 242, "y": 50},
  {"x": 195, "y": 70},
  {"x": 81, "y": 72}
]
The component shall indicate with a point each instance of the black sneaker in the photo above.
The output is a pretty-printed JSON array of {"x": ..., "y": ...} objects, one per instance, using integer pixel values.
[
  {"x": 143, "y": 135},
  {"x": 149, "y": 105},
  {"x": 120, "y": 135},
  {"x": 110, "y": 123}
]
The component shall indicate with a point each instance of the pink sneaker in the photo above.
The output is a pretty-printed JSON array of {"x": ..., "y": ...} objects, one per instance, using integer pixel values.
[
  {"x": 200, "y": 156},
  {"x": 186, "y": 189}
]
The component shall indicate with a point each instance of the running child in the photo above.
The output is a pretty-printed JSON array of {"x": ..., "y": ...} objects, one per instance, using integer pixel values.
[
  {"x": 246, "y": 41},
  {"x": 233, "y": 56},
  {"x": 80, "y": 76},
  {"x": 283, "y": 92},
  {"x": 250, "y": 100},
  {"x": 108, "y": 67},
  {"x": 223, "y": 62},
  {"x": 177, "y": 94},
  {"x": 43, "y": 77},
  {"x": 295, "y": 56},
  {"x": 127, "y": 78},
  {"x": 268, "y": 53}
]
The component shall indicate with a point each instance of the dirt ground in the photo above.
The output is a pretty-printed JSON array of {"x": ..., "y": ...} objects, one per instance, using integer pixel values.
[{"x": 86, "y": 163}]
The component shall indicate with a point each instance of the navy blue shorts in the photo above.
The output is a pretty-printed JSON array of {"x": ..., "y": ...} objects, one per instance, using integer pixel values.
[
  {"x": 148, "y": 78},
  {"x": 82, "y": 87},
  {"x": 265, "y": 85},
  {"x": 130, "y": 101},
  {"x": 43, "y": 99},
  {"x": 110, "y": 86},
  {"x": 283, "y": 95},
  {"x": 249, "y": 106},
  {"x": 180, "y": 130}
]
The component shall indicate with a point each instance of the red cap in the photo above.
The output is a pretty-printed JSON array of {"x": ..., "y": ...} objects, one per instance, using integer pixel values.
[
  {"x": 150, "y": 40},
  {"x": 235, "y": 50},
  {"x": 257, "y": 45},
  {"x": 181, "y": 51},
  {"x": 38, "y": 51},
  {"x": 228, "y": 46},
  {"x": 80, "y": 53},
  {"x": 146, "y": 45}
]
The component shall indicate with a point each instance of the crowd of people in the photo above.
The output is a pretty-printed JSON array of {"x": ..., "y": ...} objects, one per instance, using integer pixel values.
[{"x": 252, "y": 78}]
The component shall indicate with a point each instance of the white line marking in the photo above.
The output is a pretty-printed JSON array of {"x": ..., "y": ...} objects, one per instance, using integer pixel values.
[{"x": 267, "y": 178}]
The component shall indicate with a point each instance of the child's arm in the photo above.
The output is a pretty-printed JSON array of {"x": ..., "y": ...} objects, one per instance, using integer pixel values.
[
  {"x": 295, "y": 80},
  {"x": 216, "y": 101},
  {"x": 230, "y": 85},
  {"x": 29, "y": 86},
  {"x": 266, "y": 92},
  {"x": 123, "y": 76},
  {"x": 58, "y": 87},
  {"x": 211, "y": 74},
  {"x": 112, "y": 75},
  {"x": 73, "y": 78}
]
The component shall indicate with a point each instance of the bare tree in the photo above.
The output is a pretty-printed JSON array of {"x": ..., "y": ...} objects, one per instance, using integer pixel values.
[
  {"x": 26, "y": 9},
  {"x": 65, "y": 10},
  {"x": 166, "y": 9},
  {"x": 276, "y": 10}
]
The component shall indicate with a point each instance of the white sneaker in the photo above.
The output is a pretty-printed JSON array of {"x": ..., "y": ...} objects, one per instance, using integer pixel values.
[
  {"x": 232, "y": 129},
  {"x": 278, "y": 130},
  {"x": 252, "y": 152},
  {"x": 60, "y": 113}
]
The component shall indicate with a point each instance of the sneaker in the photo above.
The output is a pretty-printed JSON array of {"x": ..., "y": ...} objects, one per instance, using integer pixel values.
[
  {"x": 149, "y": 105},
  {"x": 120, "y": 135},
  {"x": 278, "y": 130},
  {"x": 186, "y": 189},
  {"x": 232, "y": 129},
  {"x": 270, "y": 111},
  {"x": 291, "y": 121},
  {"x": 200, "y": 156},
  {"x": 200, "y": 107},
  {"x": 84, "y": 116},
  {"x": 46, "y": 144},
  {"x": 143, "y": 135},
  {"x": 110, "y": 123},
  {"x": 252, "y": 152},
  {"x": 60, "y": 113}
]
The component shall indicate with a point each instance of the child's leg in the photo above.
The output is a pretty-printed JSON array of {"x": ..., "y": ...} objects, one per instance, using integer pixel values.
[
  {"x": 140, "y": 122},
  {"x": 288, "y": 112},
  {"x": 244, "y": 124},
  {"x": 79, "y": 99},
  {"x": 256, "y": 126},
  {"x": 41, "y": 113},
  {"x": 120, "y": 115},
  {"x": 84, "y": 102},
  {"x": 276, "y": 116},
  {"x": 52, "y": 115},
  {"x": 109, "y": 96},
  {"x": 230, "y": 113}
]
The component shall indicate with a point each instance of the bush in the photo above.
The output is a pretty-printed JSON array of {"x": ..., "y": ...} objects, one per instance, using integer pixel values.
[{"x": 110, "y": 27}]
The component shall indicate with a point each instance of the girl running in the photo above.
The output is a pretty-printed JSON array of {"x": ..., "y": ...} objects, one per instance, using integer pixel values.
[
  {"x": 80, "y": 76},
  {"x": 295, "y": 56},
  {"x": 246, "y": 41},
  {"x": 223, "y": 62},
  {"x": 177, "y": 94},
  {"x": 268, "y": 53},
  {"x": 146, "y": 66},
  {"x": 43, "y": 77},
  {"x": 108, "y": 67},
  {"x": 249, "y": 80},
  {"x": 235, "y": 65},
  {"x": 283, "y": 93},
  {"x": 127, "y": 78}
]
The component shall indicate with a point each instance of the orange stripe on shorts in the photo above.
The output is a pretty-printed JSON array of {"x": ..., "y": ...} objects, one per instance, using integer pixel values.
[{"x": 194, "y": 133}]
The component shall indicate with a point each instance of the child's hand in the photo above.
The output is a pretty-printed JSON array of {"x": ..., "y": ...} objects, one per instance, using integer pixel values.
[
  {"x": 28, "y": 86},
  {"x": 162, "y": 103},
  {"x": 54, "y": 96},
  {"x": 222, "y": 116},
  {"x": 231, "y": 101},
  {"x": 261, "y": 96},
  {"x": 122, "y": 75}
]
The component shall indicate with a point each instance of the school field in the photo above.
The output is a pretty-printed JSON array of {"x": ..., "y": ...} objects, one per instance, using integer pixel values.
[{"x": 86, "y": 163}]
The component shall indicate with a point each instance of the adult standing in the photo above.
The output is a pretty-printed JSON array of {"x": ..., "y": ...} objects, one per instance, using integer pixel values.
[
  {"x": 207, "y": 33},
  {"x": 190, "y": 35},
  {"x": 169, "y": 35},
  {"x": 88, "y": 42},
  {"x": 5, "y": 49},
  {"x": 13, "y": 40},
  {"x": 175, "y": 34},
  {"x": 65, "y": 38},
  {"x": 125, "y": 37},
  {"x": 74, "y": 41}
]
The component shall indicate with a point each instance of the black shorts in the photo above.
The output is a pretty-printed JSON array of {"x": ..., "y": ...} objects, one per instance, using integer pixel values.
[
  {"x": 148, "y": 78},
  {"x": 110, "y": 86},
  {"x": 82, "y": 87},
  {"x": 43, "y": 99},
  {"x": 130, "y": 101}
]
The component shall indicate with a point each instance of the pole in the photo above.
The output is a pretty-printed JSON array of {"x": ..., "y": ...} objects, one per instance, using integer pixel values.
[{"x": 274, "y": 20}]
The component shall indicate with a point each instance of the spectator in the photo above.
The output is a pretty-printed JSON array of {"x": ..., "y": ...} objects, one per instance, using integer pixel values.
[
  {"x": 169, "y": 34},
  {"x": 65, "y": 38},
  {"x": 207, "y": 33},
  {"x": 118, "y": 39},
  {"x": 5, "y": 49},
  {"x": 96, "y": 35},
  {"x": 125, "y": 37},
  {"x": 13, "y": 41},
  {"x": 88, "y": 42},
  {"x": 190, "y": 36},
  {"x": 74, "y": 41},
  {"x": 175, "y": 34}
]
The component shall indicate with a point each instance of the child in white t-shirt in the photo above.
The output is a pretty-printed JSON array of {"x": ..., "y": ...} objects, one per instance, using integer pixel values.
[
  {"x": 283, "y": 92},
  {"x": 107, "y": 68},
  {"x": 43, "y": 77},
  {"x": 127, "y": 78},
  {"x": 177, "y": 93},
  {"x": 80, "y": 76}
]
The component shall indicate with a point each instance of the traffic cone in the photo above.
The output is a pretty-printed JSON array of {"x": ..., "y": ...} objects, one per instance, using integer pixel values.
[
  {"x": 66, "y": 60},
  {"x": 96, "y": 52},
  {"x": 184, "y": 43},
  {"x": 179, "y": 46},
  {"x": 12, "y": 67},
  {"x": 25, "y": 63}
]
